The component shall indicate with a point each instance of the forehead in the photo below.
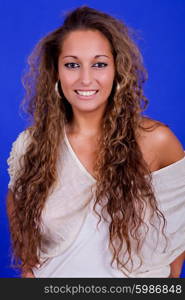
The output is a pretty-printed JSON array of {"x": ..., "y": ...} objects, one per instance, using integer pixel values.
[{"x": 86, "y": 42}]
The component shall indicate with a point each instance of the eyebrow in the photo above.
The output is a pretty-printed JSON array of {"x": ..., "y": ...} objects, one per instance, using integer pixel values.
[{"x": 96, "y": 56}]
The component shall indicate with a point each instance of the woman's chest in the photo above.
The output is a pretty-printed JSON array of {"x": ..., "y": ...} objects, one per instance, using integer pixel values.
[{"x": 85, "y": 151}]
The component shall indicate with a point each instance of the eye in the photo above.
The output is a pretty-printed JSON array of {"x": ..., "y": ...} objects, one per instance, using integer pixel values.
[
  {"x": 100, "y": 65},
  {"x": 71, "y": 65}
]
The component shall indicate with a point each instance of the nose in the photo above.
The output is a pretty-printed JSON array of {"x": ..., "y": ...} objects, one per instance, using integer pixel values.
[{"x": 86, "y": 76}]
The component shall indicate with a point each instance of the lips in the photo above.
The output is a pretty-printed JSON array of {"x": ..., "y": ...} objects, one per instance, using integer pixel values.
[{"x": 86, "y": 93}]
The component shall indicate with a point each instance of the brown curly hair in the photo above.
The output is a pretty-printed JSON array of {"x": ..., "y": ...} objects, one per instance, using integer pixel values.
[{"x": 120, "y": 169}]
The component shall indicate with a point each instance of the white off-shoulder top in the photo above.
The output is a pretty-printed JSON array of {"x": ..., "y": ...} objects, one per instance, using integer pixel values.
[{"x": 73, "y": 244}]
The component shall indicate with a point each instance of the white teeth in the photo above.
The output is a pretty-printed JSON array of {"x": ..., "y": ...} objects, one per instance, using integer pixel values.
[{"x": 86, "y": 93}]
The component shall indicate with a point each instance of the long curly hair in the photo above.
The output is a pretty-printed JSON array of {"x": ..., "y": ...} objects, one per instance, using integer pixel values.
[{"x": 120, "y": 169}]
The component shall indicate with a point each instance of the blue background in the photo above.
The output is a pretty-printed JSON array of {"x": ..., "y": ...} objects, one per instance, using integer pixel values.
[{"x": 161, "y": 27}]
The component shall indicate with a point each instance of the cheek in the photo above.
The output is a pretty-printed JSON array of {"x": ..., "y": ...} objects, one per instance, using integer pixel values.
[
  {"x": 107, "y": 80},
  {"x": 66, "y": 79}
]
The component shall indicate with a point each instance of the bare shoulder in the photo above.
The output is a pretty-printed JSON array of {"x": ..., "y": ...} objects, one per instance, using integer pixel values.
[{"x": 159, "y": 140}]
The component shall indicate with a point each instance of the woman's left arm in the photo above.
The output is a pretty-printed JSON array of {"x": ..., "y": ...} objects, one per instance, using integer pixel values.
[
  {"x": 176, "y": 266},
  {"x": 168, "y": 147},
  {"x": 171, "y": 151}
]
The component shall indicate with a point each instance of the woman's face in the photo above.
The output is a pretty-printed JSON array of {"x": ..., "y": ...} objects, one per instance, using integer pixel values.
[{"x": 86, "y": 70}]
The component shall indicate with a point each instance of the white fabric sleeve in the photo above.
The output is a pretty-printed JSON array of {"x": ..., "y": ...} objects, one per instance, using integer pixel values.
[
  {"x": 19, "y": 147},
  {"x": 170, "y": 190}
]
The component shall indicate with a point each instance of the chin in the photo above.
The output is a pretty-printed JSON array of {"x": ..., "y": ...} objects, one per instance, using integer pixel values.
[{"x": 89, "y": 108}]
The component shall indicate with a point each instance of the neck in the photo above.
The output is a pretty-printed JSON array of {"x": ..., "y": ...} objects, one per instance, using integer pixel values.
[{"x": 86, "y": 124}]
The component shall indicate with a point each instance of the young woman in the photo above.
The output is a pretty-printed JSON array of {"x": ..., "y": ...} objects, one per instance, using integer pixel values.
[{"x": 96, "y": 189}]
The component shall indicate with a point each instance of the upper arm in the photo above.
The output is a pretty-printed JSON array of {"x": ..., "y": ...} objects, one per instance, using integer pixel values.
[
  {"x": 159, "y": 145},
  {"x": 168, "y": 146},
  {"x": 19, "y": 147},
  {"x": 176, "y": 266}
]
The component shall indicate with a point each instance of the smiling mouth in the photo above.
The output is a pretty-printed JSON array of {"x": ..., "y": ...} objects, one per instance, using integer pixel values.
[{"x": 86, "y": 93}]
